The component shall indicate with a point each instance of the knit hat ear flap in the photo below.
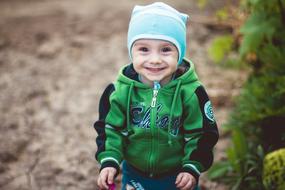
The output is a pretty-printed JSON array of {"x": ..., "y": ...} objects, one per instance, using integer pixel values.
[
  {"x": 184, "y": 17},
  {"x": 158, "y": 21}
]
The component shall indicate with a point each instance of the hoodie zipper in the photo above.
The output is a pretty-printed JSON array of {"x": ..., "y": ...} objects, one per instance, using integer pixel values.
[
  {"x": 156, "y": 88},
  {"x": 154, "y": 96}
]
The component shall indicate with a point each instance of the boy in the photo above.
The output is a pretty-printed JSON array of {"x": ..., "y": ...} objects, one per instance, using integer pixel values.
[{"x": 157, "y": 117}]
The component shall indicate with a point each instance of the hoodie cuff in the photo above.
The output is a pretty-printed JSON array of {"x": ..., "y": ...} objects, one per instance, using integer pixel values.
[
  {"x": 193, "y": 172},
  {"x": 110, "y": 164}
]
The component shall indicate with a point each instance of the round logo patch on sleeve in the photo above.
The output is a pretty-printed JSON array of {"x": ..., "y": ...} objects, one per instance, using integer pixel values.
[{"x": 208, "y": 110}]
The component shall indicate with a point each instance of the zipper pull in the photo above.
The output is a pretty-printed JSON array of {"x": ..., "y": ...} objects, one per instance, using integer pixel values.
[{"x": 156, "y": 87}]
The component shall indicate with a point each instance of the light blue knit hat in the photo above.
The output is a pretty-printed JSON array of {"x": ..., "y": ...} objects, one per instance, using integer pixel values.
[{"x": 158, "y": 21}]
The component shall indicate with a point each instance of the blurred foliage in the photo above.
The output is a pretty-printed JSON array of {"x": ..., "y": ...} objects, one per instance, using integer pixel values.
[
  {"x": 202, "y": 3},
  {"x": 274, "y": 172},
  {"x": 257, "y": 121},
  {"x": 221, "y": 46},
  {"x": 222, "y": 14}
]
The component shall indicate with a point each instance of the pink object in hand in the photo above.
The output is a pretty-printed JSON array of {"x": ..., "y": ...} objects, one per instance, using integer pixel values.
[{"x": 112, "y": 186}]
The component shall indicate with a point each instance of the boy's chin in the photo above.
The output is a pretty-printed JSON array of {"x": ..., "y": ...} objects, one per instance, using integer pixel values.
[
  {"x": 155, "y": 80},
  {"x": 152, "y": 79},
  {"x": 155, "y": 77},
  {"x": 162, "y": 81}
]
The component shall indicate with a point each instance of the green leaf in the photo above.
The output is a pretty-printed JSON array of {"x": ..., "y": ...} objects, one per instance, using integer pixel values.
[
  {"x": 219, "y": 170},
  {"x": 233, "y": 159},
  {"x": 236, "y": 186},
  {"x": 220, "y": 47},
  {"x": 240, "y": 143}
]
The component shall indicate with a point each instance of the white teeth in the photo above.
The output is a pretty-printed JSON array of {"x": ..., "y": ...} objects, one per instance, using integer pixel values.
[{"x": 154, "y": 68}]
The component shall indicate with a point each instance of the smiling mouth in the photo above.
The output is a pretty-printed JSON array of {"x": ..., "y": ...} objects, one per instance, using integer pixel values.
[{"x": 154, "y": 70}]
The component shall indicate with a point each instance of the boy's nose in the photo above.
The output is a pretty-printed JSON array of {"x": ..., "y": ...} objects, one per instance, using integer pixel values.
[{"x": 155, "y": 58}]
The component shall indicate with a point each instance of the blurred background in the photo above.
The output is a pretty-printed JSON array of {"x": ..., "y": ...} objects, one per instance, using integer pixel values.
[{"x": 57, "y": 56}]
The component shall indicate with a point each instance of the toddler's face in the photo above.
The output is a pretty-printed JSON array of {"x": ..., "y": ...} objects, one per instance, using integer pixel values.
[{"x": 154, "y": 60}]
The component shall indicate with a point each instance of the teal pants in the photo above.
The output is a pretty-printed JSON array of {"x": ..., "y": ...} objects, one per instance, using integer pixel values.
[{"x": 131, "y": 178}]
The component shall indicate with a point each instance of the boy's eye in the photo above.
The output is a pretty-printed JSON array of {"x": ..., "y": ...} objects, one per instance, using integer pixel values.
[
  {"x": 166, "y": 49},
  {"x": 143, "y": 49}
]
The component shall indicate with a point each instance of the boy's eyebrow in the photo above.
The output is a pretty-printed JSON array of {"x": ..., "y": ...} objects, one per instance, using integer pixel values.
[{"x": 140, "y": 43}]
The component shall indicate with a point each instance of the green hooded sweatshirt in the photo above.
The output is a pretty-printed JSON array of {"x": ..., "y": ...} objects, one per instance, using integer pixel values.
[{"x": 157, "y": 130}]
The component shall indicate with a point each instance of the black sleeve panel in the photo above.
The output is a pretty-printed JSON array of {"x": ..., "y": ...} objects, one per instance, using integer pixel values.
[
  {"x": 210, "y": 135},
  {"x": 99, "y": 125}
]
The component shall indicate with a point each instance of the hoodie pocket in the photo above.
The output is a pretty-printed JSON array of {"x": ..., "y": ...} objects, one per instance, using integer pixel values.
[
  {"x": 169, "y": 157},
  {"x": 137, "y": 154}
]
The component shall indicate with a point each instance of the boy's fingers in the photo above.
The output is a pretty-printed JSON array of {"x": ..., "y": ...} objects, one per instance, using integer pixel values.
[
  {"x": 102, "y": 182},
  {"x": 182, "y": 182},
  {"x": 188, "y": 185},
  {"x": 110, "y": 178},
  {"x": 178, "y": 179}
]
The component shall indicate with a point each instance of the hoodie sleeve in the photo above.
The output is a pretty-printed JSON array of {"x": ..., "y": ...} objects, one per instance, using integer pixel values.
[
  {"x": 200, "y": 133},
  {"x": 110, "y": 139}
]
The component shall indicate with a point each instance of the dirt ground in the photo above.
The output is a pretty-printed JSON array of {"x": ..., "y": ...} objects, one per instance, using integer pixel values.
[{"x": 56, "y": 57}]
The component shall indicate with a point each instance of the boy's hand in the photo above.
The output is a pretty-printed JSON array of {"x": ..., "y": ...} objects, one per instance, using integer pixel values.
[
  {"x": 106, "y": 177},
  {"x": 185, "y": 181}
]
